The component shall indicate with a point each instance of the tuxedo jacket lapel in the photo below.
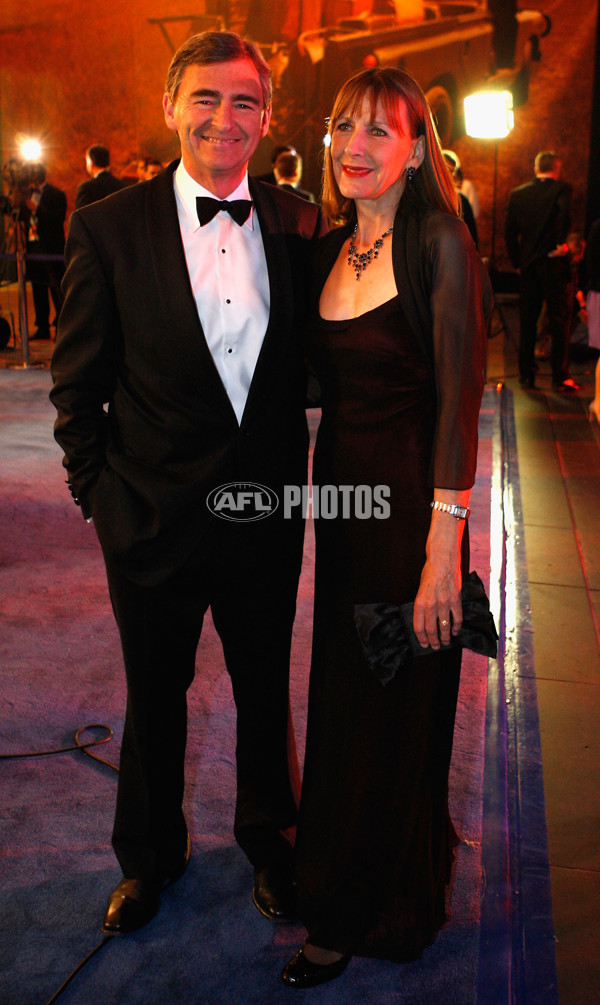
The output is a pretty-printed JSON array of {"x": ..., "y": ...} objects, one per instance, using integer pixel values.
[{"x": 173, "y": 284}]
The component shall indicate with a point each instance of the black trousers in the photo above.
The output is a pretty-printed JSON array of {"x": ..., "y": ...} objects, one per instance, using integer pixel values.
[
  {"x": 45, "y": 279},
  {"x": 249, "y": 577},
  {"x": 546, "y": 280}
]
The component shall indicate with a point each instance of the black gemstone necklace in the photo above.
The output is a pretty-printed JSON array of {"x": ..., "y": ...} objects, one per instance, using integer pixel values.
[{"x": 359, "y": 262}]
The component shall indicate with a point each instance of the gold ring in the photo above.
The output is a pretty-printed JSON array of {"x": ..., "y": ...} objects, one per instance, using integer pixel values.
[{"x": 444, "y": 623}]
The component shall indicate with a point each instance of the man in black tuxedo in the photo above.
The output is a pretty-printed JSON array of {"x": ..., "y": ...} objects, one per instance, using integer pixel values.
[
  {"x": 538, "y": 219},
  {"x": 102, "y": 181},
  {"x": 47, "y": 207},
  {"x": 188, "y": 324}
]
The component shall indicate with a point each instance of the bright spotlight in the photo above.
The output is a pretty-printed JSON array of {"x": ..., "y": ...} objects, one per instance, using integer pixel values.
[
  {"x": 489, "y": 114},
  {"x": 31, "y": 150}
]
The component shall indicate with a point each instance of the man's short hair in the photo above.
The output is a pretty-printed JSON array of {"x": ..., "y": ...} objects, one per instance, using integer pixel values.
[
  {"x": 284, "y": 148},
  {"x": 98, "y": 155},
  {"x": 287, "y": 165},
  {"x": 217, "y": 47},
  {"x": 546, "y": 161}
]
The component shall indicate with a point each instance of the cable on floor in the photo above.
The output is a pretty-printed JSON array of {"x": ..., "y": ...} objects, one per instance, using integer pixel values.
[
  {"x": 78, "y": 745},
  {"x": 86, "y": 959}
]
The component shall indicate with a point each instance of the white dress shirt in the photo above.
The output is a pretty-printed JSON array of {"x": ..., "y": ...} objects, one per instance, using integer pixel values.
[{"x": 228, "y": 272}]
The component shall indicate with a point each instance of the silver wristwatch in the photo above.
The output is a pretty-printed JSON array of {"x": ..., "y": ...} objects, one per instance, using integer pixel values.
[{"x": 459, "y": 512}]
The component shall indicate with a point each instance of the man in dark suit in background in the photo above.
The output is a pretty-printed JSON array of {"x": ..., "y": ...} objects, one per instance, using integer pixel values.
[
  {"x": 288, "y": 174},
  {"x": 102, "y": 181},
  {"x": 188, "y": 323},
  {"x": 269, "y": 176},
  {"x": 538, "y": 219},
  {"x": 47, "y": 207}
]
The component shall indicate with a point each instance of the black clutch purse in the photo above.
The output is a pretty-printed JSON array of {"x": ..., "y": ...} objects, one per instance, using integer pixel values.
[{"x": 388, "y": 639}]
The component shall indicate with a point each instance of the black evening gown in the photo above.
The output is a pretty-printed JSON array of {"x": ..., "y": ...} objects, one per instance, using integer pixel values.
[{"x": 375, "y": 842}]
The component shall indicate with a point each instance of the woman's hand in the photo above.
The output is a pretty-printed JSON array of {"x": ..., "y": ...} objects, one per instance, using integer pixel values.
[{"x": 438, "y": 609}]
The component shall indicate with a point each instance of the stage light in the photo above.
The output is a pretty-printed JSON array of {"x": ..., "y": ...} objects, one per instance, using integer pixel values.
[
  {"x": 489, "y": 114},
  {"x": 31, "y": 150}
]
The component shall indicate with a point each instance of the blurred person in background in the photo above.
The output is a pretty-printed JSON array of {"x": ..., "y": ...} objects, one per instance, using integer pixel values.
[
  {"x": 465, "y": 206},
  {"x": 102, "y": 181},
  {"x": 593, "y": 285},
  {"x": 288, "y": 173},
  {"x": 538, "y": 220},
  {"x": 47, "y": 206},
  {"x": 153, "y": 167},
  {"x": 269, "y": 176}
]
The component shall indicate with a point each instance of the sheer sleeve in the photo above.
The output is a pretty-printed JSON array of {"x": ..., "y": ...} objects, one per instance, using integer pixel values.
[{"x": 460, "y": 303}]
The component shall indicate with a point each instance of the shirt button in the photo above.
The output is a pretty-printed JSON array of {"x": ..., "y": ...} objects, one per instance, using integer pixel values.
[
  {"x": 228, "y": 301},
  {"x": 223, "y": 252}
]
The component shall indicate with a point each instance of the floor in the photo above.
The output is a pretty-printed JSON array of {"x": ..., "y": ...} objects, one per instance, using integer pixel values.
[
  {"x": 559, "y": 474},
  {"x": 559, "y": 478}
]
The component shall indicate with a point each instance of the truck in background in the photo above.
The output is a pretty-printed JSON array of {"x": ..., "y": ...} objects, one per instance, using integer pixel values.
[{"x": 452, "y": 49}]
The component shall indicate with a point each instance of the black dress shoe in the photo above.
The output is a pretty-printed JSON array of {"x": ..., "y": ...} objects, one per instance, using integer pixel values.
[
  {"x": 274, "y": 893},
  {"x": 301, "y": 973},
  {"x": 134, "y": 902}
]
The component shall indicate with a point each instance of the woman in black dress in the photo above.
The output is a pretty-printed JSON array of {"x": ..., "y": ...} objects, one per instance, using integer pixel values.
[{"x": 397, "y": 341}]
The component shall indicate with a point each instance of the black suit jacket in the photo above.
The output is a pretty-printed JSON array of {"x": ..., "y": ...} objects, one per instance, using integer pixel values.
[
  {"x": 51, "y": 212},
  {"x": 302, "y": 193},
  {"x": 538, "y": 217},
  {"x": 97, "y": 188},
  {"x": 130, "y": 336}
]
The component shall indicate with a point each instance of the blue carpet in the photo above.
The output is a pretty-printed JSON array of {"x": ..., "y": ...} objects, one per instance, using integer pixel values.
[{"x": 61, "y": 669}]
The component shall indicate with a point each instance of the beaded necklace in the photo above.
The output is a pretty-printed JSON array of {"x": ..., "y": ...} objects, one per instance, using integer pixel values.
[{"x": 359, "y": 262}]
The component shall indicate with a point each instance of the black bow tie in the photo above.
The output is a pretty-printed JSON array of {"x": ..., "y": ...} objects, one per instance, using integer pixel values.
[{"x": 238, "y": 209}]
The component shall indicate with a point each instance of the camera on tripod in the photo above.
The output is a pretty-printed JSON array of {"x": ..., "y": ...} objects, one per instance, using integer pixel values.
[{"x": 21, "y": 179}]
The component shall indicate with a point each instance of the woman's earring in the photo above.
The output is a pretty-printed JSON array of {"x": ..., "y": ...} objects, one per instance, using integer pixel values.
[{"x": 410, "y": 174}]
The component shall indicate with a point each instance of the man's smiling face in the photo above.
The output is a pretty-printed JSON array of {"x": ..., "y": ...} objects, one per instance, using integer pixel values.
[{"x": 219, "y": 117}]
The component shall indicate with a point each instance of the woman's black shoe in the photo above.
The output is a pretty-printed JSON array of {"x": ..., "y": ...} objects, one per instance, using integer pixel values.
[{"x": 301, "y": 973}]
